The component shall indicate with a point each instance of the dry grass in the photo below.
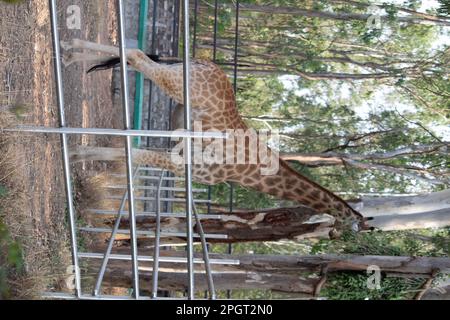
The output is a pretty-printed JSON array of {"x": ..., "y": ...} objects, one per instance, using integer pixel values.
[
  {"x": 43, "y": 253},
  {"x": 92, "y": 192}
]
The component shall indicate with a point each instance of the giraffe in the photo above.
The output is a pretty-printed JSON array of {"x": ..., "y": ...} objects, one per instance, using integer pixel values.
[{"x": 214, "y": 105}]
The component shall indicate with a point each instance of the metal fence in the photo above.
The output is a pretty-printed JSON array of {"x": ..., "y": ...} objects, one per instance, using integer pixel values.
[{"x": 134, "y": 174}]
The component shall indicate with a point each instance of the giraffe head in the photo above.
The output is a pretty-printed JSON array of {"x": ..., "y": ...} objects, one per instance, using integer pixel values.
[{"x": 350, "y": 219}]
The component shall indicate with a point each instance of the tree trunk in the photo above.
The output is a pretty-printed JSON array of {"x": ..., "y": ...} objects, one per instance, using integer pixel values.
[
  {"x": 431, "y": 202},
  {"x": 433, "y": 219},
  {"x": 375, "y": 161},
  {"x": 407, "y": 212},
  {"x": 293, "y": 274},
  {"x": 438, "y": 293},
  {"x": 258, "y": 225},
  {"x": 389, "y": 213}
]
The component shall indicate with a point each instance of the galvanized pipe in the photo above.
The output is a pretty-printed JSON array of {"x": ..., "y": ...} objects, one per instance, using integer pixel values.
[
  {"x": 141, "y": 214},
  {"x": 64, "y": 144},
  {"x": 209, "y": 277},
  {"x": 65, "y": 296},
  {"x": 162, "y": 199},
  {"x": 126, "y": 257},
  {"x": 157, "y": 238},
  {"x": 188, "y": 149},
  {"x": 118, "y": 132},
  {"x": 151, "y": 234},
  {"x": 128, "y": 146},
  {"x": 175, "y": 189},
  {"x": 101, "y": 273}
]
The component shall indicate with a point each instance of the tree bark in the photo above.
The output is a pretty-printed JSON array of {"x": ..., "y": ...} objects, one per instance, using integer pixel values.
[
  {"x": 438, "y": 293},
  {"x": 389, "y": 213},
  {"x": 294, "y": 274},
  {"x": 423, "y": 203},
  {"x": 433, "y": 219},
  {"x": 334, "y": 158},
  {"x": 374, "y": 161},
  {"x": 259, "y": 225}
]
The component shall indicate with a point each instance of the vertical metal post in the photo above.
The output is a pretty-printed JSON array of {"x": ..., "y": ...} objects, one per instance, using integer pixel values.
[
  {"x": 157, "y": 238},
  {"x": 128, "y": 148},
  {"x": 235, "y": 64},
  {"x": 150, "y": 86},
  {"x": 64, "y": 144},
  {"x": 139, "y": 95},
  {"x": 194, "y": 40},
  {"x": 236, "y": 44},
  {"x": 152, "y": 51},
  {"x": 188, "y": 150},
  {"x": 230, "y": 246},
  {"x": 107, "y": 255},
  {"x": 209, "y": 277},
  {"x": 176, "y": 27},
  {"x": 216, "y": 12}
]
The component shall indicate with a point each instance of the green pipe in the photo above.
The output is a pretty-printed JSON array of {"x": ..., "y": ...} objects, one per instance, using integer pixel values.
[{"x": 139, "y": 96}]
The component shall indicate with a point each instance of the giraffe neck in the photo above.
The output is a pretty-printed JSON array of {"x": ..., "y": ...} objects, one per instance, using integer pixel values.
[{"x": 291, "y": 185}]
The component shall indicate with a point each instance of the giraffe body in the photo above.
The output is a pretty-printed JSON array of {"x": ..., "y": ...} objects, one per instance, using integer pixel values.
[{"x": 213, "y": 104}]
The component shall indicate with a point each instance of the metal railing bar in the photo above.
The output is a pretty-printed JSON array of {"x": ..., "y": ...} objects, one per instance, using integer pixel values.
[
  {"x": 175, "y": 189},
  {"x": 128, "y": 145},
  {"x": 216, "y": 12},
  {"x": 93, "y": 255},
  {"x": 194, "y": 40},
  {"x": 151, "y": 234},
  {"x": 162, "y": 199},
  {"x": 64, "y": 145},
  {"x": 139, "y": 81},
  {"x": 209, "y": 277},
  {"x": 157, "y": 238},
  {"x": 66, "y": 296},
  {"x": 118, "y": 132},
  {"x": 101, "y": 272},
  {"x": 236, "y": 47},
  {"x": 235, "y": 71},
  {"x": 153, "y": 214},
  {"x": 188, "y": 150},
  {"x": 150, "y": 177},
  {"x": 152, "y": 51}
]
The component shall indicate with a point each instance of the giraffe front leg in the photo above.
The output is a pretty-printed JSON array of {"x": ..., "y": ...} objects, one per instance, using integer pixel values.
[
  {"x": 69, "y": 58},
  {"x": 92, "y": 46}
]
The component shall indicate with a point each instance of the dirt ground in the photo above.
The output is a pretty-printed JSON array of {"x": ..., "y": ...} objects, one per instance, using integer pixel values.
[
  {"x": 37, "y": 214},
  {"x": 26, "y": 73}
]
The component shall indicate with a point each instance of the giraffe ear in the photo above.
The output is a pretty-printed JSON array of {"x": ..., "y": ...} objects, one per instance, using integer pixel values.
[{"x": 334, "y": 234}]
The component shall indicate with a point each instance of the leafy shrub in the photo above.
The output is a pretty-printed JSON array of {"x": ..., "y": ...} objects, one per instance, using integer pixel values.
[{"x": 11, "y": 260}]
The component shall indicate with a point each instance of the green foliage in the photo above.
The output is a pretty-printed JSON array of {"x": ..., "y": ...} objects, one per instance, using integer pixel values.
[
  {"x": 11, "y": 260},
  {"x": 444, "y": 8},
  {"x": 3, "y": 191},
  {"x": 12, "y": 1},
  {"x": 393, "y": 243},
  {"x": 353, "y": 286}
]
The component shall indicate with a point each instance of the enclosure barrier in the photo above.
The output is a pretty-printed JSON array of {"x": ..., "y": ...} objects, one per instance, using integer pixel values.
[{"x": 131, "y": 174}]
